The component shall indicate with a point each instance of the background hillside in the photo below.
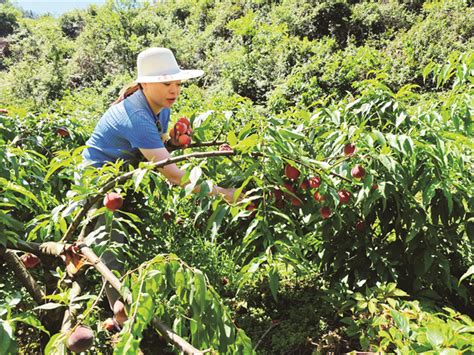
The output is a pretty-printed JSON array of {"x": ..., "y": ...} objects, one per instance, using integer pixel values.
[{"x": 286, "y": 83}]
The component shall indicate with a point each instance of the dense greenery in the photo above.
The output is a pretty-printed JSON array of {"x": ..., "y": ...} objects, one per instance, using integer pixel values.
[{"x": 287, "y": 82}]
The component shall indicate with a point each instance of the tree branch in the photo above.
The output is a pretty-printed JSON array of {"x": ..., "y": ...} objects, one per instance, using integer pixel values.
[
  {"x": 120, "y": 179},
  {"x": 46, "y": 249},
  {"x": 24, "y": 276},
  {"x": 115, "y": 282}
]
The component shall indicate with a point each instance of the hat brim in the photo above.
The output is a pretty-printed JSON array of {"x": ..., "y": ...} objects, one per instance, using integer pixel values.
[{"x": 181, "y": 75}]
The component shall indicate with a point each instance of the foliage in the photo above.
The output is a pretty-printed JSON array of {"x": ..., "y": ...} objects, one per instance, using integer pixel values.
[{"x": 383, "y": 322}]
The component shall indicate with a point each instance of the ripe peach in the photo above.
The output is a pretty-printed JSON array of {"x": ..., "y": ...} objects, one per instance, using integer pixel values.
[
  {"x": 62, "y": 131},
  {"x": 349, "y": 149},
  {"x": 184, "y": 140},
  {"x": 314, "y": 182},
  {"x": 291, "y": 172},
  {"x": 81, "y": 339},
  {"x": 360, "y": 225},
  {"x": 251, "y": 206},
  {"x": 358, "y": 172},
  {"x": 304, "y": 185},
  {"x": 109, "y": 325},
  {"x": 344, "y": 196},
  {"x": 180, "y": 127},
  {"x": 173, "y": 132},
  {"x": 289, "y": 186},
  {"x": 113, "y": 201},
  {"x": 325, "y": 212},
  {"x": 185, "y": 121},
  {"x": 318, "y": 197},
  {"x": 280, "y": 204},
  {"x": 295, "y": 201}
]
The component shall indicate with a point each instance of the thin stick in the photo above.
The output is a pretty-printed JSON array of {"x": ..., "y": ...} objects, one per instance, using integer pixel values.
[{"x": 264, "y": 334}]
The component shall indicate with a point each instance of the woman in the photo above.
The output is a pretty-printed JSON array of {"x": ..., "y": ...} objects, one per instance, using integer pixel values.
[
  {"x": 138, "y": 121},
  {"x": 134, "y": 127}
]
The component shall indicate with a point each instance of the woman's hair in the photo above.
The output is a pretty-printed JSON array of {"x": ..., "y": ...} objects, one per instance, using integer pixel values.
[{"x": 126, "y": 91}]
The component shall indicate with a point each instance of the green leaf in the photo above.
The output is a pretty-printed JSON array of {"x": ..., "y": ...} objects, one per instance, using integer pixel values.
[
  {"x": 468, "y": 273},
  {"x": 232, "y": 139},
  {"x": 31, "y": 320},
  {"x": 401, "y": 321},
  {"x": 7, "y": 339},
  {"x": 247, "y": 144},
  {"x": 274, "y": 280},
  {"x": 435, "y": 337},
  {"x": 8, "y": 185},
  {"x": 194, "y": 176},
  {"x": 138, "y": 177},
  {"x": 49, "y": 306},
  {"x": 286, "y": 133}
]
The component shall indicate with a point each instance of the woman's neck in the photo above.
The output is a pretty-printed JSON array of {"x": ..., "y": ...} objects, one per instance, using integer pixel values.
[{"x": 154, "y": 107}]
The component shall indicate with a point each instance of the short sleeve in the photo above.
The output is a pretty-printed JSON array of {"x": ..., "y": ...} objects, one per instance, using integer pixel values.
[
  {"x": 165, "y": 119},
  {"x": 143, "y": 132}
]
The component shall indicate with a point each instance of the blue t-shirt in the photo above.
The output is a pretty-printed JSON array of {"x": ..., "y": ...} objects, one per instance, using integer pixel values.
[{"x": 124, "y": 128}]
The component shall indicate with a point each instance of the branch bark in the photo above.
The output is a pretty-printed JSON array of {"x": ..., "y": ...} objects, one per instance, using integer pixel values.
[
  {"x": 24, "y": 276},
  {"x": 46, "y": 249}
]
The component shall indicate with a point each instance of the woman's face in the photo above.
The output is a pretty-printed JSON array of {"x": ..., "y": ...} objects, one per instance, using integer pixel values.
[{"x": 160, "y": 95}]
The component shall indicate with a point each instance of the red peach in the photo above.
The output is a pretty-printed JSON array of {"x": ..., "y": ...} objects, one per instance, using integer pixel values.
[
  {"x": 62, "y": 131},
  {"x": 314, "y": 182},
  {"x": 318, "y": 197},
  {"x": 349, "y": 149},
  {"x": 304, "y": 185},
  {"x": 325, "y": 212},
  {"x": 80, "y": 340},
  {"x": 360, "y": 225},
  {"x": 180, "y": 127},
  {"x": 113, "y": 201},
  {"x": 184, "y": 140},
  {"x": 185, "y": 121},
  {"x": 344, "y": 196},
  {"x": 291, "y": 172},
  {"x": 358, "y": 172}
]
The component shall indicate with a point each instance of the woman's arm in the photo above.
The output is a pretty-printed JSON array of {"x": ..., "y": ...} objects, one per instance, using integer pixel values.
[{"x": 175, "y": 174}]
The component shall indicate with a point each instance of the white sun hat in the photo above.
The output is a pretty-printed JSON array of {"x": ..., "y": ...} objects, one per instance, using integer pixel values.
[{"x": 157, "y": 65}]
